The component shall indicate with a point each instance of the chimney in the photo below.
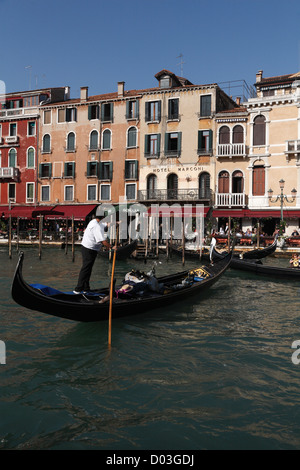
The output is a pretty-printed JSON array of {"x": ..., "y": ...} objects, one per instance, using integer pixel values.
[
  {"x": 259, "y": 76},
  {"x": 238, "y": 100},
  {"x": 84, "y": 93},
  {"x": 67, "y": 92},
  {"x": 121, "y": 88}
]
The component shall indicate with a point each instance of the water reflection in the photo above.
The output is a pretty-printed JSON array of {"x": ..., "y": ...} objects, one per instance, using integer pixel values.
[{"x": 207, "y": 373}]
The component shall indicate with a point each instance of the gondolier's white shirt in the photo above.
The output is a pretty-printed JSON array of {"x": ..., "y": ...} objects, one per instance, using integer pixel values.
[{"x": 94, "y": 235}]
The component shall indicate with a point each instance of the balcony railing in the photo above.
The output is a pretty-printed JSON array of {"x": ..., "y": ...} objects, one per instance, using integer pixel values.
[
  {"x": 231, "y": 150},
  {"x": 9, "y": 173},
  {"x": 230, "y": 199},
  {"x": 12, "y": 139},
  {"x": 175, "y": 195},
  {"x": 292, "y": 146}
]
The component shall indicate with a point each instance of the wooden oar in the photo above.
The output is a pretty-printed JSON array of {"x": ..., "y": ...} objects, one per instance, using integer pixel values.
[{"x": 112, "y": 290}]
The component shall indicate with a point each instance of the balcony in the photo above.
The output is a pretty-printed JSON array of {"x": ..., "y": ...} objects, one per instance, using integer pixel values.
[
  {"x": 292, "y": 147},
  {"x": 10, "y": 173},
  {"x": 230, "y": 199},
  {"x": 231, "y": 150},
  {"x": 13, "y": 139},
  {"x": 175, "y": 195}
]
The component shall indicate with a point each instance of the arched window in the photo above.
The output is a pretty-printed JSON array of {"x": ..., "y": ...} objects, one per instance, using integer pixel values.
[
  {"x": 224, "y": 135},
  {"x": 238, "y": 135},
  {"x": 258, "y": 180},
  {"x": 172, "y": 186},
  {"x": 237, "y": 182},
  {"x": 131, "y": 137},
  {"x": 46, "y": 143},
  {"x": 94, "y": 140},
  {"x": 204, "y": 186},
  {"x": 223, "y": 183},
  {"x": 30, "y": 158},
  {"x": 259, "y": 130},
  {"x": 12, "y": 158},
  {"x": 106, "y": 139},
  {"x": 71, "y": 142},
  {"x": 151, "y": 186}
]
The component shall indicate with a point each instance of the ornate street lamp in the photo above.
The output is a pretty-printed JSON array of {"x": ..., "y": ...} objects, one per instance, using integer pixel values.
[{"x": 282, "y": 197}]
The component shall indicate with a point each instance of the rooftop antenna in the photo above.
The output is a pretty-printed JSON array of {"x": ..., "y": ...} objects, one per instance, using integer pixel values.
[
  {"x": 181, "y": 63},
  {"x": 29, "y": 67}
]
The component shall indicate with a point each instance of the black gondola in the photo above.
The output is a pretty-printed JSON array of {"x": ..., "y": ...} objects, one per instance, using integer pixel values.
[
  {"x": 89, "y": 307},
  {"x": 123, "y": 251},
  {"x": 256, "y": 266},
  {"x": 258, "y": 253}
]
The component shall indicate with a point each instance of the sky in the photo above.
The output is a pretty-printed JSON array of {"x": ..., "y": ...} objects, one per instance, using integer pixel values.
[{"x": 97, "y": 43}]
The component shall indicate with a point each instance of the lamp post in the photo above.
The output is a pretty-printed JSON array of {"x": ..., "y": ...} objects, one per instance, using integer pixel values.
[{"x": 282, "y": 197}]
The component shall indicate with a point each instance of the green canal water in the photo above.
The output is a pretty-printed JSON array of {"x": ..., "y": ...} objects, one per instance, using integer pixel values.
[{"x": 209, "y": 373}]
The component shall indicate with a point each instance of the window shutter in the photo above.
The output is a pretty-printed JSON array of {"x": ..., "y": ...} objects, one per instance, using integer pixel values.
[
  {"x": 166, "y": 142},
  {"x": 179, "y": 142},
  {"x": 159, "y": 110},
  {"x": 210, "y": 139},
  {"x": 136, "y": 164},
  {"x": 147, "y": 111},
  {"x": 50, "y": 170},
  {"x": 90, "y": 113},
  {"x": 147, "y": 144},
  {"x": 110, "y": 170},
  {"x": 258, "y": 181},
  {"x": 158, "y": 144},
  {"x": 137, "y": 110},
  {"x": 259, "y": 131},
  {"x": 73, "y": 169},
  {"x": 199, "y": 140},
  {"x": 40, "y": 170}
]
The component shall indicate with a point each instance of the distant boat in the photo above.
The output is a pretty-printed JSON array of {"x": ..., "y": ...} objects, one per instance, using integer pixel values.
[{"x": 123, "y": 251}]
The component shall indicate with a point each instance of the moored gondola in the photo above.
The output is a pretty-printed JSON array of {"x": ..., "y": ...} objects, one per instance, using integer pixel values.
[
  {"x": 257, "y": 253},
  {"x": 93, "y": 306},
  {"x": 256, "y": 266}
]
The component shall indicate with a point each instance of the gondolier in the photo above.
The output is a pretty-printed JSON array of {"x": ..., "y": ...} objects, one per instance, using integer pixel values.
[{"x": 93, "y": 239}]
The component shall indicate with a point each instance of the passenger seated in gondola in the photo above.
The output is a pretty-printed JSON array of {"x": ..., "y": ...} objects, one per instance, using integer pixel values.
[
  {"x": 295, "y": 233},
  {"x": 294, "y": 261}
]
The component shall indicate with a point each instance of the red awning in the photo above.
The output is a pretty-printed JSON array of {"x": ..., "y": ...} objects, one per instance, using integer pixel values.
[
  {"x": 239, "y": 213},
  {"x": 79, "y": 211},
  {"x": 287, "y": 214},
  {"x": 177, "y": 211},
  {"x": 27, "y": 212}
]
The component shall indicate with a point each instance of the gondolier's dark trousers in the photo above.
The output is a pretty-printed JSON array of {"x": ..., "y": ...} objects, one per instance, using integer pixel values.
[{"x": 88, "y": 260}]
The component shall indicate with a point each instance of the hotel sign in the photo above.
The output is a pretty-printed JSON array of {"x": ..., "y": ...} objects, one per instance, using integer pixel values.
[{"x": 179, "y": 169}]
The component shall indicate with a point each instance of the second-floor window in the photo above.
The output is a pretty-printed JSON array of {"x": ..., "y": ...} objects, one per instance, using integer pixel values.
[
  {"x": 69, "y": 171},
  {"x": 94, "y": 140},
  {"x": 153, "y": 111},
  {"x": 205, "y": 106},
  {"x": 132, "y": 109},
  {"x": 131, "y": 169},
  {"x": 107, "y": 112},
  {"x": 173, "y": 108},
  {"x": 12, "y": 158},
  {"x": 259, "y": 130},
  {"x": 152, "y": 145},
  {"x": 173, "y": 144},
  {"x": 205, "y": 142},
  {"x": 12, "y": 129},
  {"x": 70, "y": 142},
  {"x": 30, "y": 158},
  {"x": 132, "y": 137},
  {"x": 46, "y": 143},
  {"x": 45, "y": 170}
]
